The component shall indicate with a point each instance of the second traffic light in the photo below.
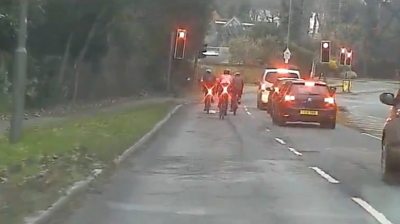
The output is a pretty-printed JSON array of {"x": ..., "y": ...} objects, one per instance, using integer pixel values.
[
  {"x": 342, "y": 57},
  {"x": 349, "y": 57},
  {"x": 325, "y": 51},
  {"x": 180, "y": 44}
]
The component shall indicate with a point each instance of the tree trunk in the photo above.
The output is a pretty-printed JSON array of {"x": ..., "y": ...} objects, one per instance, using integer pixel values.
[
  {"x": 82, "y": 53},
  {"x": 64, "y": 63}
]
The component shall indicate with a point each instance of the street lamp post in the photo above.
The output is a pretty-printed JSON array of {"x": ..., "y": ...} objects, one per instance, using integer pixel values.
[
  {"x": 19, "y": 79},
  {"x": 289, "y": 24}
]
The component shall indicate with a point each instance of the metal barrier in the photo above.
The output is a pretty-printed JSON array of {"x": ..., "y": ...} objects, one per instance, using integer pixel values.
[{"x": 346, "y": 86}]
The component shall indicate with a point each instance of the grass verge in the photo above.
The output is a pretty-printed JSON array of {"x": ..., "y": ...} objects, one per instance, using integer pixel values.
[{"x": 35, "y": 172}]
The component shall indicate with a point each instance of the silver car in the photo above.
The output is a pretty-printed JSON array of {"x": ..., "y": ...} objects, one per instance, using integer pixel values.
[{"x": 390, "y": 159}]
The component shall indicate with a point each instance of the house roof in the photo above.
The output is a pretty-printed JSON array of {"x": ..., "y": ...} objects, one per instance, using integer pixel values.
[
  {"x": 234, "y": 21},
  {"x": 216, "y": 15}
]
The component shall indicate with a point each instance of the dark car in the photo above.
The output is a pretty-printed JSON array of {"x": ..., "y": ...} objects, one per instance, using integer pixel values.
[
  {"x": 390, "y": 159},
  {"x": 274, "y": 90},
  {"x": 305, "y": 101}
]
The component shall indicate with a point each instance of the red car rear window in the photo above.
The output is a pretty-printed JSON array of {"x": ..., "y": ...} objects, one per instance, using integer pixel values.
[
  {"x": 302, "y": 89},
  {"x": 272, "y": 77}
]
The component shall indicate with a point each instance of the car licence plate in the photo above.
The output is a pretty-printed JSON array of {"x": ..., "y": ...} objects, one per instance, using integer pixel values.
[{"x": 309, "y": 112}]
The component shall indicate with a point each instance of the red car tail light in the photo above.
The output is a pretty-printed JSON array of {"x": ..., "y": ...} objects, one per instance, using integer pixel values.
[
  {"x": 329, "y": 100},
  {"x": 289, "y": 98}
]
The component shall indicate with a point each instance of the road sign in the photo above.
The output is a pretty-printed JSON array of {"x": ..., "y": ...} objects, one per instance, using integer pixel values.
[{"x": 286, "y": 55}]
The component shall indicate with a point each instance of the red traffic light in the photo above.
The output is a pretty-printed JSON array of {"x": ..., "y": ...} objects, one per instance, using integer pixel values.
[
  {"x": 181, "y": 33},
  {"x": 349, "y": 58},
  {"x": 349, "y": 54},
  {"x": 180, "y": 44},
  {"x": 325, "y": 51}
]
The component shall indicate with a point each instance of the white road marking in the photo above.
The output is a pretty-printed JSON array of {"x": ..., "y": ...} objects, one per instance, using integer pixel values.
[
  {"x": 372, "y": 136},
  {"x": 280, "y": 141},
  {"x": 328, "y": 177},
  {"x": 377, "y": 215},
  {"x": 295, "y": 151},
  {"x": 248, "y": 113},
  {"x": 376, "y": 118},
  {"x": 267, "y": 130}
]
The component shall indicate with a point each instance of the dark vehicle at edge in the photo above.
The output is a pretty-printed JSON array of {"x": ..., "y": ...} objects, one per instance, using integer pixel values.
[
  {"x": 305, "y": 101},
  {"x": 390, "y": 157}
]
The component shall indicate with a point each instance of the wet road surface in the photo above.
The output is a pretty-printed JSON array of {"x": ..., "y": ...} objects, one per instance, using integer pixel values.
[{"x": 199, "y": 169}]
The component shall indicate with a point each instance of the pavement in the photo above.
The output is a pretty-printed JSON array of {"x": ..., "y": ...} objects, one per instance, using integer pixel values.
[
  {"x": 363, "y": 105},
  {"x": 199, "y": 169}
]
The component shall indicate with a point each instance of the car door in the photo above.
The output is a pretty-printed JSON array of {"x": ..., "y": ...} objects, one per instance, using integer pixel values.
[
  {"x": 281, "y": 94},
  {"x": 392, "y": 133}
]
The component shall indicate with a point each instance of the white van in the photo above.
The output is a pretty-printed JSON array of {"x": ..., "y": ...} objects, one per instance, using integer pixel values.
[{"x": 268, "y": 78}]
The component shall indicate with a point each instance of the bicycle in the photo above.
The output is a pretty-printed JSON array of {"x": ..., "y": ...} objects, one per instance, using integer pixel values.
[
  {"x": 208, "y": 99},
  {"x": 223, "y": 102},
  {"x": 234, "y": 103}
]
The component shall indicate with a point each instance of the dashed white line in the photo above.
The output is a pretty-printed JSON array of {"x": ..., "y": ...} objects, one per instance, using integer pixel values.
[
  {"x": 268, "y": 130},
  {"x": 376, "y": 118},
  {"x": 295, "y": 151},
  {"x": 377, "y": 215},
  {"x": 280, "y": 141},
  {"x": 328, "y": 177},
  {"x": 247, "y": 110},
  {"x": 372, "y": 136}
]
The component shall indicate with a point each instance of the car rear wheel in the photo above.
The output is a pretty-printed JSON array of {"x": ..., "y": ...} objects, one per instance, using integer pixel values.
[
  {"x": 277, "y": 119},
  {"x": 269, "y": 108},
  {"x": 387, "y": 163},
  {"x": 329, "y": 124}
]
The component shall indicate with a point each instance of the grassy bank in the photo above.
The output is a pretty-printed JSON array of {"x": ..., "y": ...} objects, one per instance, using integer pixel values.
[{"x": 51, "y": 158}]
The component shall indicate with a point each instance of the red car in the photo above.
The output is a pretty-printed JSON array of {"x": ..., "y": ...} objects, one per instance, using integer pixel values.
[{"x": 305, "y": 101}]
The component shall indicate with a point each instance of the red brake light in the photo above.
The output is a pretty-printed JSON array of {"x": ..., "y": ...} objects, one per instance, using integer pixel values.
[
  {"x": 309, "y": 83},
  {"x": 330, "y": 100},
  {"x": 282, "y": 71},
  {"x": 289, "y": 98}
]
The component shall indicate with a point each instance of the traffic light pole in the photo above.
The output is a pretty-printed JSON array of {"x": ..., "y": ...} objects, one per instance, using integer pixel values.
[
  {"x": 19, "y": 79},
  {"x": 170, "y": 62},
  {"x": 289, "y": 24},
  {"x": 196, "y": 73}
]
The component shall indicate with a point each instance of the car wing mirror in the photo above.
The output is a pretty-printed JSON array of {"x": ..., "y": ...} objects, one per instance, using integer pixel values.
[
  {"x": 387, "y": 98},
  {"x": 271, "y": 89},
  {"x": 332, "y": 90}
]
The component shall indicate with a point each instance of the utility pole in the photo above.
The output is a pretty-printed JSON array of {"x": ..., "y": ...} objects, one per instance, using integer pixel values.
[
  {"x": 19, "y": 79},
  {"x": 170, "y": 61},
  {"x": 340, "y": 11},
  {"x": 195, "y": 70},
  {"x": 289, "y": 24}
]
